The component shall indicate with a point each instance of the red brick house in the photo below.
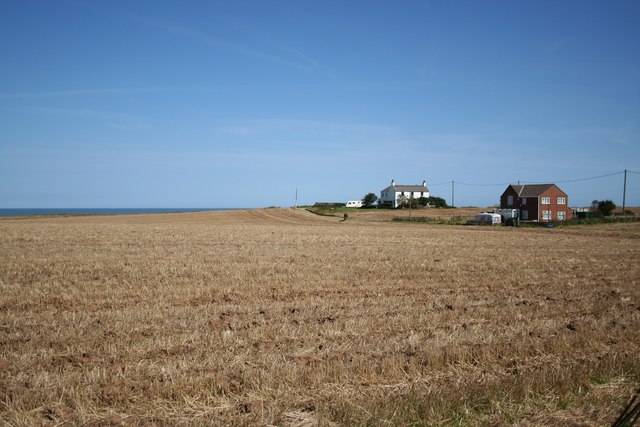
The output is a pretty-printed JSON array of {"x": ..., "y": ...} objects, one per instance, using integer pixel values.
[{"x": 538, "y": 202}]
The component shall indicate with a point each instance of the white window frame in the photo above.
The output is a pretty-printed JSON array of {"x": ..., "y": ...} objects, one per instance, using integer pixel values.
[
  {"x": 562, "y": 215},
  {"x": 546, "y": 215},
  {"x": 545, "y": 200},
  {"x": 562, "y": 200}
]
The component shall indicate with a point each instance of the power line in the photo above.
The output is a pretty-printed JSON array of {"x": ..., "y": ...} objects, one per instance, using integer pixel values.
[
  {"x": 482, "y": 185},
  {"x": 453, "y": 182},
  {"x": 535, "y": 182},
  {"x": 581, "y": 179}
]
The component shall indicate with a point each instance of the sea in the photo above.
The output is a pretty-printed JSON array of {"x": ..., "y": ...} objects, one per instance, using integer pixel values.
[{"x": 99, "y": 211}]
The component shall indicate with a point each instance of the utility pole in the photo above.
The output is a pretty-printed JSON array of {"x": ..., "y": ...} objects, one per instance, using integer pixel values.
[
  {"x": 295, "y": 204},
  {"x": 410, "y": 203},
  {"x": 453, "y": 190},
  {"x": 624, "y": 193}
]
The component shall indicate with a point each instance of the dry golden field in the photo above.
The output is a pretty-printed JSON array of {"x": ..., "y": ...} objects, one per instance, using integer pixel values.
[
  {"x": 389, "y": 214},
  {"x": 281, "y": 317}
]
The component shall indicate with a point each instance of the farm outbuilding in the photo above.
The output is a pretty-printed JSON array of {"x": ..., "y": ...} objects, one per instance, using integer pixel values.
[{"x": 582, "y": 212}]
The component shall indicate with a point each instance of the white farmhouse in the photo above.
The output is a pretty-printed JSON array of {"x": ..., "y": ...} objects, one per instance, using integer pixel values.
[{"x": 390, "y": 195}]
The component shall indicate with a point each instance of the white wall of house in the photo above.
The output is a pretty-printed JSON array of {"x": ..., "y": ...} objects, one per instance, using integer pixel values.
[
  {"x": 390, "y": 194},
  {"x": 416, "y": 194}
]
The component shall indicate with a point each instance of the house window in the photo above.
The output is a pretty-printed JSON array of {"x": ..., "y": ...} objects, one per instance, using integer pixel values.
[
  {"x": 524, "y": 214},
  {"x": 509, "y": 200},
  {"x": 561, "y": 216},
  {"x": 545, "y": 200},
  {"x": 562, "y": 201},
  {"x": 546, "y": 215},
  {"x": 524, "y": 200}
]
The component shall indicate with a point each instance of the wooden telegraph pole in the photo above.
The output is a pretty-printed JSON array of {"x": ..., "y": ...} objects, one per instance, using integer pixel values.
[
  {"x": 410, "y": 203},
  {"x": 453, "y": 190},
  {"x": 624, "y": 193}
]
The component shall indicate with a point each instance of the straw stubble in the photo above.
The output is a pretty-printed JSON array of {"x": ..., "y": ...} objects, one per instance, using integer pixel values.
[{"x": 279, "y": 317}]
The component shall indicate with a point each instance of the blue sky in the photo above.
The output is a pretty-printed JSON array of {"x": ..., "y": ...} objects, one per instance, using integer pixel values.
[{"x": 239, "y": 103}]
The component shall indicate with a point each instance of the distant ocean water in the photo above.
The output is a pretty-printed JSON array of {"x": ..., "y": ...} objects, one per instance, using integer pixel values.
[{"x": 99, "y": 211}]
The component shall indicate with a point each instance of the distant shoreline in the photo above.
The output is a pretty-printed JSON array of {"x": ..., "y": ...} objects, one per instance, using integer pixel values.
[{"x": 19, "y": 212}]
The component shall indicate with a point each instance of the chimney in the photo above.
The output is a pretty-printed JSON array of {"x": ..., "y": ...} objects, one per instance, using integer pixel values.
[
  {"x": 424, "y": 183},
  {"x": 393, "y": 183}
]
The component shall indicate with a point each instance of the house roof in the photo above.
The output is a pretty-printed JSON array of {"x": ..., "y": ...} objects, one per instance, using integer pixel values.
[
  {"x": 410, "y": 187},
  {"x": 402, "y": 188},
  {"x": 533, "y": 190}
]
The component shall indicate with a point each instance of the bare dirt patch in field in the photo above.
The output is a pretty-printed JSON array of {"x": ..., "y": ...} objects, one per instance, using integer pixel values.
[{"x": 277, "y": 316}]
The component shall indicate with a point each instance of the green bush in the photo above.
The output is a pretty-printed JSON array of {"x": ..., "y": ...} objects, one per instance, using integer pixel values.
[
  {"x": 368, "y": 200},
  {"x": 605, "y": 207}
]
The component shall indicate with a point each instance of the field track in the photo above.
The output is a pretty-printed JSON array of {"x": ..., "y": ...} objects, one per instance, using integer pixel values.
[
  {"x": 246, "y": 217},
  {"x": 283, "y": 317},
  {"x": 289, "y": 216}
]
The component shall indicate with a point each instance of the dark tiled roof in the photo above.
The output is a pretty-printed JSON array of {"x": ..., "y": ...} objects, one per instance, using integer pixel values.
[
  {"x": 410, "y": 188},
  {"x": 534, "y": 190}
]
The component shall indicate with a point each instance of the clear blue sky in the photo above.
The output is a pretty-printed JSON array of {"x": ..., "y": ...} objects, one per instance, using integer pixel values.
[{"x": 238, "y": 103}]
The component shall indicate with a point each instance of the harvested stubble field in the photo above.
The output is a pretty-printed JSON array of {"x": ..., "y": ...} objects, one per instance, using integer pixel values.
[{"x": 280, "y": 317}]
